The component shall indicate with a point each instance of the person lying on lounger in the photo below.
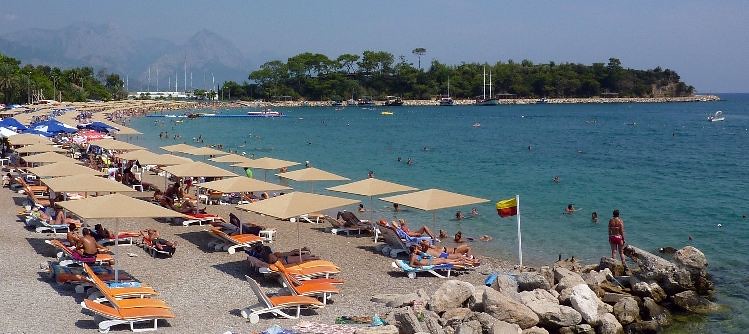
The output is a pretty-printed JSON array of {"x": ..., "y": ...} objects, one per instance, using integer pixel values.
[
  {"x": 160, "y": 244},
  {"x": 266, "y": 254},
  {"x": 349, "y": 219},
  {"x": 419, "y": 259},
  {"x": 74, "y": 239},
  {"x": 459, "y": 252},
  {"x": 421, "y": 231}
]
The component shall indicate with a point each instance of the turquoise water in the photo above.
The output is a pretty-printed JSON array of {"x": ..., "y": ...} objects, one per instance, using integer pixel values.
[{"x": 670, "y": 172}]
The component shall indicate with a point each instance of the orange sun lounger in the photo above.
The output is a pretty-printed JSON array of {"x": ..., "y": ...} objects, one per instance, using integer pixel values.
[{"x": 129, "y": 316}]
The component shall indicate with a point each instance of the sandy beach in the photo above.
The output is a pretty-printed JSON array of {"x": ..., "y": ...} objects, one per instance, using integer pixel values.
[{"x": 206, "y": 288}]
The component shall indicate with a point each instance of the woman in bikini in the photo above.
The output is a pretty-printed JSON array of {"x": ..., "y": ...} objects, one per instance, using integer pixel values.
[
  {"x": 419, "y": 259},
  {"x": 616, "y": 236},
  {"x": 459, "y": 252}
]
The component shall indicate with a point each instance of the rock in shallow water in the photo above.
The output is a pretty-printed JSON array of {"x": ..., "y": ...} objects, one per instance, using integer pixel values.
[{"x": 692, "y": 302}]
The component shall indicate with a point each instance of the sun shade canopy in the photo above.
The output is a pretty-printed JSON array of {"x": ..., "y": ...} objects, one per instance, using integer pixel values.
[
  {"x": 241, "y": 184},
  {"x": 231, "y": 158},
  {"x": 371, "y": 187},
  {"x": 150, "y": 158},
  {"x": 266, "y": 163},
  {"x": 312, "y": 174},
  {"x": 115, "y": 145},
  {"x": 206, "y": 151},
  {"x": 49, "y": 157},
  {"x": 85, "y": 183},
  {"x": 178, "y": 148},
  {"x": 62, "y": 169},
  {"x": 28, "y": 139},
  {"x": 295, "y": 204},
  {"x": 38, "y": 148},
  {"x": 197, "y": 169},
  {"x": 116, "y": 206},
  {"x": 433, "y": 199}
]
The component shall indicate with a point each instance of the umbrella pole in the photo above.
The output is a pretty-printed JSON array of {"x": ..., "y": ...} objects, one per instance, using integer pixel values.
[
  {"x": 117, "y": 252},
  {"x": 434, "y": 220}
]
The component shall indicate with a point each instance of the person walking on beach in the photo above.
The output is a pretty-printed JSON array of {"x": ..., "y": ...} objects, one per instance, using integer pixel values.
[{"x": 616, "y": 236}]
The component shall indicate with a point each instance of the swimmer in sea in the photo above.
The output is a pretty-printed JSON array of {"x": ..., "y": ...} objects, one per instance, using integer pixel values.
[
  {"x": 409, "y": 162},
  {"x": 555, "y": 179},
  {"x": 474, "y": 212},
  {"x": 570, "y": 209},
  {"x": 459, "y": 215},
  {"x": 594, "y": 217}
]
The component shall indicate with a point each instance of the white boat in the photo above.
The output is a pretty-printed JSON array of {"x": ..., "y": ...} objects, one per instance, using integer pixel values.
[
  {"x": 265, "y": 113},
  {"x": 447, "y": 101},
  {"x": 717, "y": 117}
]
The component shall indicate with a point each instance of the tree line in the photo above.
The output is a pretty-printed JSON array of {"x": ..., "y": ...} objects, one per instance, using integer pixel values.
[
  {"x": 28, "y": 83},
  {"x": 314, "y": 76}
]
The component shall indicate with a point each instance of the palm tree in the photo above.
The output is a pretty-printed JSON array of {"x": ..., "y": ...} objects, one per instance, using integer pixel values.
[
  {"x": 419, "y": 52},
  {"x": 8, "y": 81}
]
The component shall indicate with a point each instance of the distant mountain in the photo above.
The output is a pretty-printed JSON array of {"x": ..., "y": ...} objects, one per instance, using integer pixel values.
[{"x": 106, "y": 47}]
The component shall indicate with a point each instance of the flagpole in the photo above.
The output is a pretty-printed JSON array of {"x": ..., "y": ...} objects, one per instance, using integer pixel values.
[{"x": 520, "y": 238}]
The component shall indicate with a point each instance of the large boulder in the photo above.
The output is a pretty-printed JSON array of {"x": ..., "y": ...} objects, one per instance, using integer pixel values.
[
  {"x": 644, "y": 327},
  {"x": 530, "y": 281},
  {"x": 627, "y": 311},
  {"x": 389, "y": 329},
  {"x": 455, "y": 316},
  {"x": 550, "y": 313},
  {"x": 507, "y": 285},
  {"x": 613, "y": 265},
  {"x": 594, "y": 279},
  {"x": 395, "y": 300},
  {"x": 471, "y": 327},
  {"x": 486, "y": 321},
  {"x": 655, "y": 312},
  {"x": 451, "y": 294},
  {"x": 507, "y": 309},
  {"x": 669, "y": 276},
  {"x": 535, "y": 330},
  {"x": 613, "y": 298},
  {"x": 690, "y": 258},
  {"x": 431, "y": 325},
  {"x": 609, "y": 325},
  {"x": 566, "y": 278},
  {"x": 693, "y": 302},
  {"x": 547, "y": 273},
  {"x": 585, "y": 301},
  {"x": 406, "y": 320},
  {"x": 501, "y": 327},
  {"x": 645, "y": 289},
  {"x": 578, "y": 329},
  {"x": 476, "y": 303}
]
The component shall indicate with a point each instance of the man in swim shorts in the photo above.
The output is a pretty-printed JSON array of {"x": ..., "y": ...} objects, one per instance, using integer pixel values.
[{"x": 616, "y": 236}]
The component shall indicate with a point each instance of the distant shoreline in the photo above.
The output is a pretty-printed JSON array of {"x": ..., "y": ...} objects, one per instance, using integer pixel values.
[{"x": 464, "y": 102}]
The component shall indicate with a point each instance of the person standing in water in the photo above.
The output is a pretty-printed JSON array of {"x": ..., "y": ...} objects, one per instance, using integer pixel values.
[{"x": 616, "y": 236}]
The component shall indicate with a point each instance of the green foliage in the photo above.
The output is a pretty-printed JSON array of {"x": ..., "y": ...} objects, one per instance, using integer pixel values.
[
  {"x": 376, "y": 73},
  {"x": 19, "y": 84}
]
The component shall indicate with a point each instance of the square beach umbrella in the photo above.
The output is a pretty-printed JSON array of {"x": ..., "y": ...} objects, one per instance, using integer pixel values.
[{"x": 433, "y": 200}]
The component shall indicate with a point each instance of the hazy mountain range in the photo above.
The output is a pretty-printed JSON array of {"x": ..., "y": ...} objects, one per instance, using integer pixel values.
[{"x": 106, "y": 47}]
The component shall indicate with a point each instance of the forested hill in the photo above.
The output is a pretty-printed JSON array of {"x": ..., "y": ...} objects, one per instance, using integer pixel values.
[{"x": 377, "y": 74}]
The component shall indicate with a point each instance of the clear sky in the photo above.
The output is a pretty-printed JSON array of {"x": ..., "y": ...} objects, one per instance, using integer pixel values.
[{"x": 706, "y": 42}]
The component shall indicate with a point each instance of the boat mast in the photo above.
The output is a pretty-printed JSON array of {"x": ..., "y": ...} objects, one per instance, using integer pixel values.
[
  {"x": 484, "y": 96},
  {"x": 490, "y": 83}
]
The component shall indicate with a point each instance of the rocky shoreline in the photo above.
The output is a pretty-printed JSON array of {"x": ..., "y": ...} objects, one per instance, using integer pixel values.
[
  {"x": 695, "y": 98},
  {"x": 566, "y": 297}
]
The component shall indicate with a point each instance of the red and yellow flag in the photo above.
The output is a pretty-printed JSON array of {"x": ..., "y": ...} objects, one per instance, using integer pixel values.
[{"x": 507, "y": 207}]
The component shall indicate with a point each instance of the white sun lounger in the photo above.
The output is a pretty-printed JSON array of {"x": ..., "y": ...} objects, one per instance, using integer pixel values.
[{"x": 276, "y": 304}]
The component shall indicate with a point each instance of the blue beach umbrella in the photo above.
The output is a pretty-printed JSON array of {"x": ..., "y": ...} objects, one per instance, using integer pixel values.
[
  {"x": 39, "y": 133},
  {"x": 53, "y": 127},
  {"x": 13, "y": 124},
  {"x": 100, "y": 127}
]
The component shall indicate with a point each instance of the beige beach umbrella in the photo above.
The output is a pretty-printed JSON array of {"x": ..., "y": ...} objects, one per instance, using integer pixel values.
[
  {"x": 62, "y": 169},
  {"x": 49, "y": 157},
  {"x": 117, "y": 207},
  {"x": 38, "y": 148},
  {"x": 311, "y": 174},
  {"x": 205, "y": 151},
  {"x": 171, "y": 159},
  {"x": 295, "y": 204},
  {"x": 115, "y": 145},
  {"x": 371, "y": 187},
  {"x": 178, "y": 148},
  {"x": 266, "y": 164},
  {"x": 241, "y": 184},
  {"x": 8, "y": 113},
  {"x": 433, "y": 199},
  {"x": 231, "y": 158},
  {"x": 28, "y": 139},
  {"x": 85, "y": 183},
  {"x": 197, "y": 169}
]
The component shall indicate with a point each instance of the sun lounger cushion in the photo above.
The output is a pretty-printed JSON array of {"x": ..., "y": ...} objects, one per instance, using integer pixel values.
[{"x": 407, "y": 268}]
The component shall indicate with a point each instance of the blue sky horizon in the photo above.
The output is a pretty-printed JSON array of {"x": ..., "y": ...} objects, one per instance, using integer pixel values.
[{"x": 705, "y": 42}]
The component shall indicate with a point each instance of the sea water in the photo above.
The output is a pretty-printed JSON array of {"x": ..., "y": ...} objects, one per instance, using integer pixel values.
[{"x": 670, "y": 172}]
